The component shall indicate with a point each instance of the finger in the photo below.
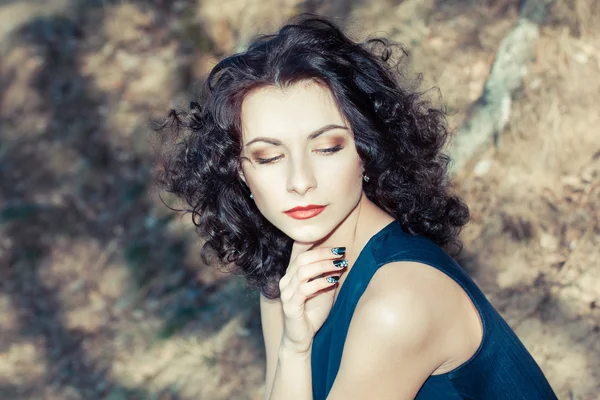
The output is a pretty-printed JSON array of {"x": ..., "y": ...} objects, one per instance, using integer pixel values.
[
  {"x": 297, "y": 248},
  {"x": 320, "y": 253},
  {"x": 302, "y": 253},
  {"x": 309, "y": 272},
  {"x": 315, "y": 255},
  {"x": 307, "y": 290}
]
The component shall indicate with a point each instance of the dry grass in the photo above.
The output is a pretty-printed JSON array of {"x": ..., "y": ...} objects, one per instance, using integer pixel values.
[{"x": 535, "y": 204}]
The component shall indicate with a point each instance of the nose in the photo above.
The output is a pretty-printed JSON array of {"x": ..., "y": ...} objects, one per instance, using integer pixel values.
[{"x": 301, "y": 177}]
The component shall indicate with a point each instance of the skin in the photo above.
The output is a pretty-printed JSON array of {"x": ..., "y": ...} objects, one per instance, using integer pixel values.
[
  {"x": 306, "y": 171},
  {"x": 411, "y": 322}
]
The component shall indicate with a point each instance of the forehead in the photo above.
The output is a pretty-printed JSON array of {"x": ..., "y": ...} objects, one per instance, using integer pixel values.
[{"x": 289, "y": 112}]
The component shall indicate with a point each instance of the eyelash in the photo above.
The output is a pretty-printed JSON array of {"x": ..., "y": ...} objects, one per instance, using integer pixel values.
[{"x": 325, "y": 152}]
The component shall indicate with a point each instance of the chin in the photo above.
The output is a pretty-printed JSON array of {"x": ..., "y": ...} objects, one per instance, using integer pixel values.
[{"x": 308, "y": 233}]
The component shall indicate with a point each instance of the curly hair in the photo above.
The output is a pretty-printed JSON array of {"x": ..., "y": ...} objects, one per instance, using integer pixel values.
[{"x": 399, "y": 136}]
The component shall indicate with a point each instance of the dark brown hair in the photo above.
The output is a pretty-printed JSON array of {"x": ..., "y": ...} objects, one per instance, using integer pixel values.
[{"x": 398, "y": 135}]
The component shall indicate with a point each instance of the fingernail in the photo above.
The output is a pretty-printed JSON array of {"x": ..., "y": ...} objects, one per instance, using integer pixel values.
[
  {"x": 338, "y": 251},
  {"x": 340, "y": 263},
  {"x": 332, "y": 279}
]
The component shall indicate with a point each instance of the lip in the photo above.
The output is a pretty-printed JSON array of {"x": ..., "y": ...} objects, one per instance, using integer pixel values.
[{"x": 305, "y": 212}]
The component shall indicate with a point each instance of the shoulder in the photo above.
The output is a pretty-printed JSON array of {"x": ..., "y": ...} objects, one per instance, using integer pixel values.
[
  {"x": 411, "y": 301},
  {"x": 398, "y": 334},
  {"x": 421, "y": 310},
  {"x": 404, "y": 281}
]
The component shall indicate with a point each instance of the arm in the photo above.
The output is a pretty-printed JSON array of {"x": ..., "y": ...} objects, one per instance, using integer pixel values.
[
  {"x": 290, "y": 322},
  {"x": 271, "y": 315},
  {"x": 293, "y": 378},
  {"x": 411, "y": 321},
  {"x": 287, "y": 372}
]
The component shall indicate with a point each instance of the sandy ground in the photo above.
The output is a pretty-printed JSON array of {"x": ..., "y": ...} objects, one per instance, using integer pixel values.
[{"x": 102, "y": 292}]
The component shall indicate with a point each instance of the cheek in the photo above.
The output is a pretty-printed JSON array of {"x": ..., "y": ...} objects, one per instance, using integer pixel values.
[
  {"x": 270, "y": 201},
  {"x": 344, "y": 170},
  {"x": 265, "y": 185},
  {"x": 260, "y": 180},
  {"x": 339, "y": 177}
]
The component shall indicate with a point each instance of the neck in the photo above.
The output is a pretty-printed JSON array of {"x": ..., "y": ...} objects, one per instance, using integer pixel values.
[{"x": 355, "y": 230}]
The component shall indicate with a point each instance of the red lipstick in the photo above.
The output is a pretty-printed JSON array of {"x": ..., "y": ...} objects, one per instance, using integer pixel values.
[{"x": 305, "y": 212}]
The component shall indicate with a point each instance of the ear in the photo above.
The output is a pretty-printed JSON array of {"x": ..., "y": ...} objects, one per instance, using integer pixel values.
[{"x": 241, "y": 174}]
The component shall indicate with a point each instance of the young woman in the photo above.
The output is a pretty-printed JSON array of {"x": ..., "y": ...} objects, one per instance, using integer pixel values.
[{"x": 312, "y": 169}]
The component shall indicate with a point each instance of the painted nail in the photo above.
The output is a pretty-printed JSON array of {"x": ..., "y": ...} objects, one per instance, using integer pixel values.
[
  {"x": 332, "y": 279},
  {"x": 338, "y": 251},
  {"x": 340, "y": 263}
]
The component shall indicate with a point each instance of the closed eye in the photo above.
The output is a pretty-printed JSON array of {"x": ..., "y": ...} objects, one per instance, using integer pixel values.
[
  {"x": 267, "y": 160},
  {"x": 328, "y": 151},
  {"x": 331, "y": 150}
]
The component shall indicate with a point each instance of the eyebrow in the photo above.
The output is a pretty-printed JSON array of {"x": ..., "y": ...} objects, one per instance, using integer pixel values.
[{"x": 313, "y": 135}]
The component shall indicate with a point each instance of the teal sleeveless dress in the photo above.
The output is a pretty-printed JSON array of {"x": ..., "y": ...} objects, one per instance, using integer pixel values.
[{"x": 501, "y": 368}]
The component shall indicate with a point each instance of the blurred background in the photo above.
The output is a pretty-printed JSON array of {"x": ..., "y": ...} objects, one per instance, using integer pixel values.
[{"x": 102, "y": 291}]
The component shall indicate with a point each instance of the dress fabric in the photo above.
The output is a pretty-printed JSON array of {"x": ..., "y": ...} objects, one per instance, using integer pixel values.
[{"x": 501, "y": 368}]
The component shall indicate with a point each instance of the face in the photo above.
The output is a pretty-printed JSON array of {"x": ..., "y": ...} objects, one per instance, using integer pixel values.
[{"x": 300, "y": 152}]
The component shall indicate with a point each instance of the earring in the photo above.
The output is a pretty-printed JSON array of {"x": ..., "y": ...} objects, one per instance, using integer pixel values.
[
  {"x": 365, "y": 178},
  {"x": 251, "y": 196}
]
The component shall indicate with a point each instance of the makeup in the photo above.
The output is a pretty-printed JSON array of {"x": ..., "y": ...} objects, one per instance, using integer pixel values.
[{"x": 305, "y": 212}]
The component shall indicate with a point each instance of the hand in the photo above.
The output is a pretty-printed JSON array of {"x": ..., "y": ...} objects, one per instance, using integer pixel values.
[{"x": 306, "y": 294}]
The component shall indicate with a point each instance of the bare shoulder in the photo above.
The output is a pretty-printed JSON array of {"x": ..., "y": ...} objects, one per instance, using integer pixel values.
[
  {"x": 425, "y": 307},
  {"x": 411, "y": 295},
  {"x": 412, "y": 282},
  {"x": 408, "y": 324}
]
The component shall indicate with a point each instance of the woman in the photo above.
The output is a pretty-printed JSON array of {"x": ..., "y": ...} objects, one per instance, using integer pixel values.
[{"x": 310, "y": 168}]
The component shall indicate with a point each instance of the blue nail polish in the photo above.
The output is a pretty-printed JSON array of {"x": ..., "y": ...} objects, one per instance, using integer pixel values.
[
  {"x": 338, "y": 251},
  {"x": 332, "y": 279},
  {"x": 340, "y": 263}
]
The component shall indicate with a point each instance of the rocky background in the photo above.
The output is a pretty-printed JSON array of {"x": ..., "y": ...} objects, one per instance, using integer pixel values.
[{"x": 102, "y": 291}]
